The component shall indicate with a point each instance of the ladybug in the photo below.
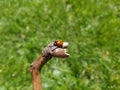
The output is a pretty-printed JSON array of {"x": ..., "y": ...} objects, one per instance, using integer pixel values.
[{"x": 58, "y": 43}]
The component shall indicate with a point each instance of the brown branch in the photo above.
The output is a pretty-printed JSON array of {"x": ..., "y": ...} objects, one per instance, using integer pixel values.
[
  {"x": 35, "y": 69},
  {"x": 53, "y": 49},
  {"x": 36, "y": 80}
]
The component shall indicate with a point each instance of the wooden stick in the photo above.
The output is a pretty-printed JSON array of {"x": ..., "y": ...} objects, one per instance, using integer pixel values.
[
  {"x": 35, "y": 69},
  {"x": 36, "y": 80},
  {"x": 53, "y": 49}
]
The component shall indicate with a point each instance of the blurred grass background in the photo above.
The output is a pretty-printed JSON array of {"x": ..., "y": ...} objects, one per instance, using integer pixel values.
[{"x": 92, "y": 28}]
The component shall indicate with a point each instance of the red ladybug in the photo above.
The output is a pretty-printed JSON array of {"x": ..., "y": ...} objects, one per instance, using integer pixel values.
[{"x": 58, "y": 43}]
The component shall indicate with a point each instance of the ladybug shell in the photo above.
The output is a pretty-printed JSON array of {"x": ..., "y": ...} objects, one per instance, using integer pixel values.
[{"x": 59, "y": 43}]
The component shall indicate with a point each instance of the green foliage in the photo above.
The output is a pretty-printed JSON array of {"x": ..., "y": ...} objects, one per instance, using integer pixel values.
[{"x": 92, "y": 28}]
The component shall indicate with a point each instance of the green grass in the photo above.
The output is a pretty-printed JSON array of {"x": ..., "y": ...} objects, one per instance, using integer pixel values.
[{"x": 92, "y": 28}]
